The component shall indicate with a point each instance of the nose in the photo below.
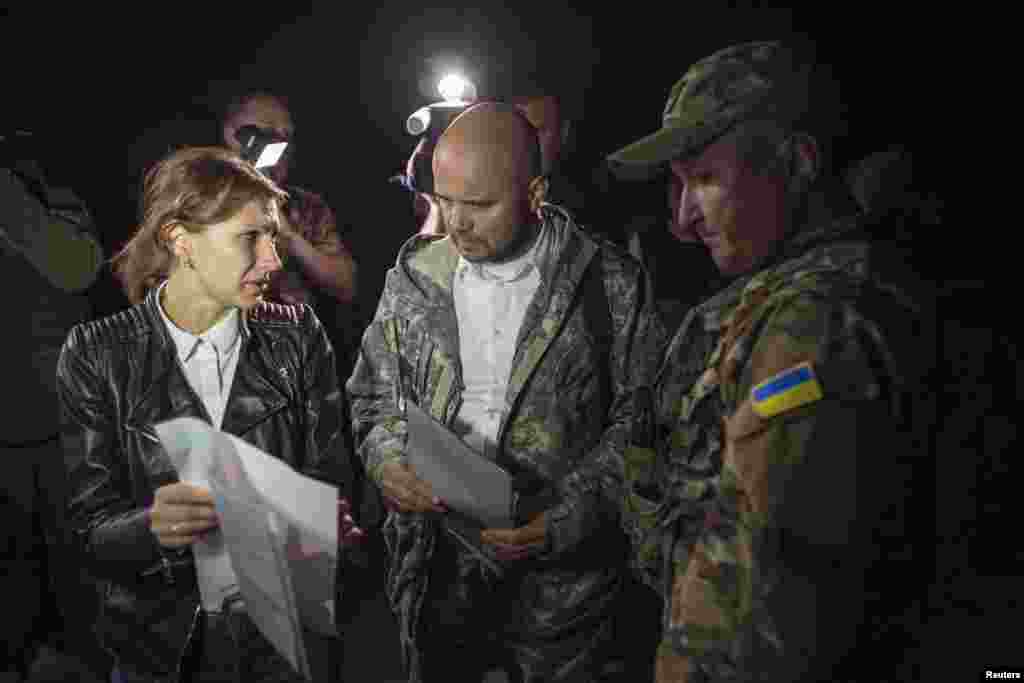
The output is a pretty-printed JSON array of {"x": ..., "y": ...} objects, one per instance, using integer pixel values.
[
  {"x": 683, "y": 215},
  {"x": 682, "y": 200},
  {"x": 457, "y": 219},
  {"x": 267, "y": 258}
]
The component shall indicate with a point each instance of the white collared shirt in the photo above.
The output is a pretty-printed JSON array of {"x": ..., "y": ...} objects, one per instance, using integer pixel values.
[
  {"x": 490, "y": 304},
  {"x": 209, "y": 359}
]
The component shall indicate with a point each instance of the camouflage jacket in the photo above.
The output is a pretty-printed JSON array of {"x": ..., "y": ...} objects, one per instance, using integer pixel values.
[
  {"x": 748, "y": 521},
  {"x": 563, "y": 425}
]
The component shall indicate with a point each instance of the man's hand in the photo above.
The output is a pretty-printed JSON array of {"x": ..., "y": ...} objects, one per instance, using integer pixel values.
[
  {"x": 181, "y": 514},
  {"x": 510, "y": 545},
  {"x": 405, "y": 492}
]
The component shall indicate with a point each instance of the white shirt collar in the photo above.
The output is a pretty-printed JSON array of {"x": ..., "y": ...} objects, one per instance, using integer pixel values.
[
  {"x": 224, "y": 335},
  {"x": 517, "y": 268}
]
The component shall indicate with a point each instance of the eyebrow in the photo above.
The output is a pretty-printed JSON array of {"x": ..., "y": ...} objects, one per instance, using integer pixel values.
[
  {"x": 268, "y": 226},
  {"x": 468, "y": 200}
]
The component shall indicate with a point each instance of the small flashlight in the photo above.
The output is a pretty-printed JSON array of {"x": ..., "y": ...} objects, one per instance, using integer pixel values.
[
  {"x": 439, "y": 114},
  {"x": 456, "y": 87}
]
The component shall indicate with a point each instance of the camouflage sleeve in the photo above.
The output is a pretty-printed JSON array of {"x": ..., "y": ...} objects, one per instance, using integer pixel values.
[
  {"x": 811, "y": 388},
  {"x": 645, "y": 503},
  {"x": 378, "y": 421},
  {"x": 593, "y": 491}
]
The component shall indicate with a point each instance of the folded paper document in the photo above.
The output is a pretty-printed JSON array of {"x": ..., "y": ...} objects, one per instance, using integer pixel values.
[
  {"x": 277, "y": 543},
  {"x": 466, "y": 481}
]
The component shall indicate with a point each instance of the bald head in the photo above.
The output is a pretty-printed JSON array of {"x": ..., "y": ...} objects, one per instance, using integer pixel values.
[
  {"x": 496, "y": 139},
  {"x": 487, "y": 179}
]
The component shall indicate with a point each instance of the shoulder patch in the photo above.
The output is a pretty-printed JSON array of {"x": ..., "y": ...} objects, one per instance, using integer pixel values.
[
  {"x": 786, "y": 391},
  {"x": 268, "y": 312}
]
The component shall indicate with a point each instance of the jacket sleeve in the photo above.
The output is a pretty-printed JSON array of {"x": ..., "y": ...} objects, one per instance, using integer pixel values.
[
  {"x": 107, "y": 526},
  {"x": 592, "y": 493},
  {"x": 788, "y": 492},
  {"x": 328, "y": 455},
  {"x": 378, "y": 422}
]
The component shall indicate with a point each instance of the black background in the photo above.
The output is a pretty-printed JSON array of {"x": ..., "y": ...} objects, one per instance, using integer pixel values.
[{"x": 109, "y": 91}]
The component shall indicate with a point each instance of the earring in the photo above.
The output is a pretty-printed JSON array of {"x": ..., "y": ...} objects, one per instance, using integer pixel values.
[{"x": 189, "y": 264}]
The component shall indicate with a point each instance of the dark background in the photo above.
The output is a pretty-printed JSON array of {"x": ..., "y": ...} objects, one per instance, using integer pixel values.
[{"x": 107, "y": 92}]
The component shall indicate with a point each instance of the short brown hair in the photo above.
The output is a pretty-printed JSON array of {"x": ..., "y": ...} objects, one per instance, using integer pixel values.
[{"x": 194, "y": 187}]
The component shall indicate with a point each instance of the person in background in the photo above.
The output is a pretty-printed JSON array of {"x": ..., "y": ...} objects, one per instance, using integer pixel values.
[
  {"x": 319, "y": 267},
  {"x": 51, "y": 255}
]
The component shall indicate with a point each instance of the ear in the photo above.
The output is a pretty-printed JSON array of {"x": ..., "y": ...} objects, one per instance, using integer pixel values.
[
  {"x": 538, "y": 192},
  {"x": 804, "y": 162},
  {"x": 177, "y": 240}
]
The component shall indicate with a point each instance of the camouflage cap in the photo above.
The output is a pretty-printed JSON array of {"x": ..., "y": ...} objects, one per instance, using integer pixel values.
[{"x": 760, "y": 80}]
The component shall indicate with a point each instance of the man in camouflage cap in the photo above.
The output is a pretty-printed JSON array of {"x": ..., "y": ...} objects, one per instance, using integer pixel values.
[{"x": 783, "y": 405}]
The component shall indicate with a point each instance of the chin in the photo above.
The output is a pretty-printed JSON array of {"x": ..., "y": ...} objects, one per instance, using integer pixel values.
[
  {"x": 479, "y": 255},
  {"x": 246, "y": 300}
]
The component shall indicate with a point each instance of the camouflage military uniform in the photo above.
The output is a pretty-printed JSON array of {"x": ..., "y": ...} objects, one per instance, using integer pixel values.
[
  {"x": 564, "y": 425},
  {"x": 766, "y": 488},
  {"x": 753, "y": 527}
]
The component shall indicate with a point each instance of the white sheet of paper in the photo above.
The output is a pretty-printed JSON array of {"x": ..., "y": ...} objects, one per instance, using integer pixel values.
[
  {"x": 278, "y": 539},
  {"x": 192, "y": 450},
  {"x": 462, "y": 478},
  {"x": 306, "y": 503}
]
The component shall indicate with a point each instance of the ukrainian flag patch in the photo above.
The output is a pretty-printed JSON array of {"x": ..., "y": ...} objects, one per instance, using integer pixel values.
[{"x": 785, "y": 391}]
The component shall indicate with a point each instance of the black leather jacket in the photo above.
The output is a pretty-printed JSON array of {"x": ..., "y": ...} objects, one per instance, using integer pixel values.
[{"x": 120, "y": 375}]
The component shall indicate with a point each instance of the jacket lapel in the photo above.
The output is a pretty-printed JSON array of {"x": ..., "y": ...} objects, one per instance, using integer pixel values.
[
  {"x": 167, "y": 395},
  {"x": 549, "y": 309},
  {"x": 432, "y": 270},
  {"x": 256, "y": 391}
]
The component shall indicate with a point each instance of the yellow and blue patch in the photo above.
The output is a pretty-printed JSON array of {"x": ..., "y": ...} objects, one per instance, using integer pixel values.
[{"x": 785, "y": 391}]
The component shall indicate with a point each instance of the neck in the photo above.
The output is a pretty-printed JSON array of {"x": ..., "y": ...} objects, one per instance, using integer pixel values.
[{"x": 186, "y": 309}]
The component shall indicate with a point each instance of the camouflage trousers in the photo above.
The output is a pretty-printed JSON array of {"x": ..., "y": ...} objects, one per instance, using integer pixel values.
[{"x": 470, "y": 626}]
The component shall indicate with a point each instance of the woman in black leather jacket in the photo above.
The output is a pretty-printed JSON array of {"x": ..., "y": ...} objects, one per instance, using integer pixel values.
[{"x": 200, "y": 342}]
